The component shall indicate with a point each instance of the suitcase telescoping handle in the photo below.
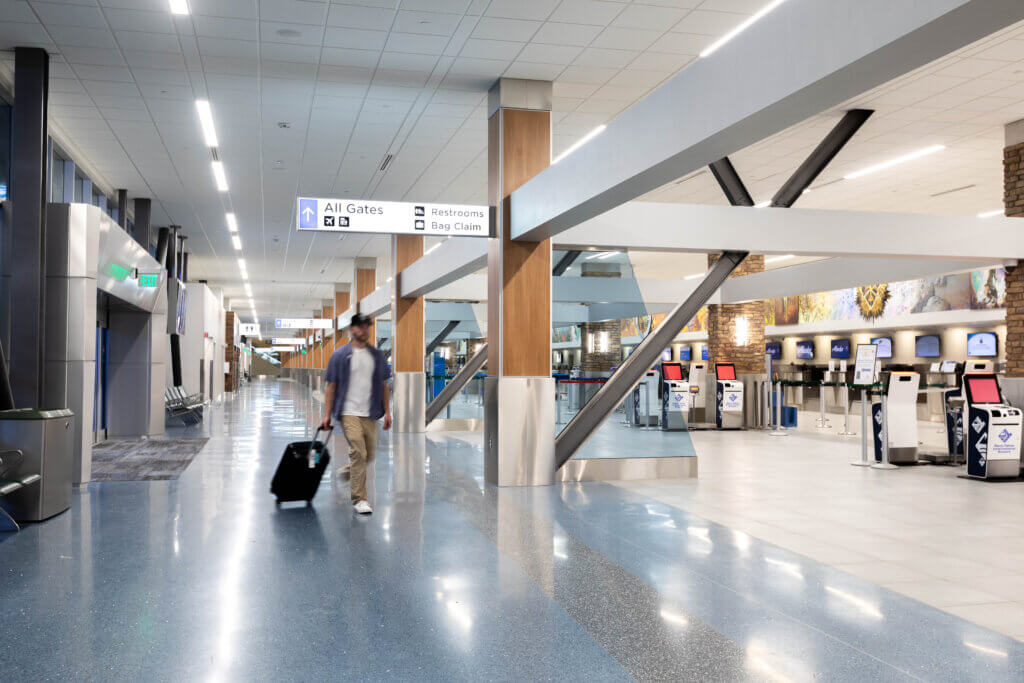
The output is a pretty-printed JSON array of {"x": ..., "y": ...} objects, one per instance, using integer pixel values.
[{"x": 314, "y": 452}]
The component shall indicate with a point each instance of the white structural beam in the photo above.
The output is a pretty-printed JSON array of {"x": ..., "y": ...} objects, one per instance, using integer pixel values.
[
  {"x": 376, "y": 302},
  {"x": 447, "y": 262},
  {"x": 664, "y": 226},
  {"x": 798, "y": 61},
  {"x": 837, "y": 273}
]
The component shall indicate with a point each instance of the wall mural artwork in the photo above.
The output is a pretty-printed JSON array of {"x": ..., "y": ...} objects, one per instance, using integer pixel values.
[
  {"x": 981, "y": 289},
  {"x": 563, "y": 335},
  {"x": 988, "y": 288}
]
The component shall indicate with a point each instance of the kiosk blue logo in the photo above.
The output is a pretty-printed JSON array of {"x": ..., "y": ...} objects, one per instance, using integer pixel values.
[
  {"x": 978, "y": 424},
  {"x": 1004, "y": 435},
  {"x": 307, "y": 214}
]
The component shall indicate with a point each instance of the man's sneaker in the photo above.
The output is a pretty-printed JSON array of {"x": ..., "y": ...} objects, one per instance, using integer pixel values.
[{"x": 363, "y": 508}]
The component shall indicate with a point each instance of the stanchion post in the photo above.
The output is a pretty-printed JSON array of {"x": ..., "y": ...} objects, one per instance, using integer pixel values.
[
  {"x": 822, "y": 422},
  {"x": 779, "y": 429},
  {"x": 846, "y": 412},
  {"x": 885, "y": 464},
  {"x": 863, "y": 462}
]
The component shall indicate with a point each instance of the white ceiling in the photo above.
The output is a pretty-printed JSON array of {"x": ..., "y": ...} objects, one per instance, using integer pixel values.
[{"x": 358, "y": 80}]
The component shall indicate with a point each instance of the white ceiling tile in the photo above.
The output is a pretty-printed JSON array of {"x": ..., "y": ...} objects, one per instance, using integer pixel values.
[
  {"x": 587, "y": 12},
  {"x": 445, "y": 6},
  {"x": 104, "y": 73},
  {"x": 489, "y": 68},
  {"x": 492, "y": 28},
  {"x": 55, "y": 14},
  {"x": 337, "y": 56},
  {"x": 517, "y": 9},
  {"x": 222, "y": 27},
  {"x": 76, "y": 36},
  {"x": 355, "y": 16},
  {"x": 709, "y": 23},
  {"x": 279, "y": 52},
  {"x": 660, "y": 61},
  {"x": 17, "y": 11},
  {"x": 140, "y": 20},
  {"x": 409, "y": 62},
  {"x": 549, "y": 54},
  {"x": 237, "y": 9},
  {"x": 430, "y": 23},
  {"x": 563, "y": 88},
  {"x": 626, "y": 38},
  {"x": 682, "y": 43},
  {"x": 296, "y": 34},
  {"x": 587, "y": 74},
  {"x": 605, "y": 58},
  {"x": 555, "y": 33},
  {"x": 215, "y": 47},
  {"x": 294, "y": 11},
  {"x": 491, "y": 49},
  {"x": 534, "y": 71},
  {"x": 419, "y": 44},
  {"x": 649, "y": 17},
  {"x": 149, "y": 42},
  {"x": 23, "y": 35},
  {"x": 350, "y": 38}
]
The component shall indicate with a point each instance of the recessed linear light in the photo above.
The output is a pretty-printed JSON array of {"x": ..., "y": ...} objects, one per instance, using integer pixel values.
[
  {"x": 596, "y": 254},
  {"x": 206, "y": 121},
  {"x": 179, "y": 6},
  {"x": 893, "y": 162},
  {"x": 694, "y": 276},
  {"x": 236, "y": 243},
  {"x": 579, "y": 143},
  {"x": 218, "y": 175},
  {"x": 763, "y": 205},
  {"x": 989, "y": 214},
  {"x": 774, "y": 259},
  {"x": 232, "y": 223},
  {"x": 608, "y": 255},
  {"x": 741, "y": 28}
]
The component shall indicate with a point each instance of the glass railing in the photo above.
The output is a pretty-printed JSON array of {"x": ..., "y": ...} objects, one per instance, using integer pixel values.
[{"x": 467, "y": 404}]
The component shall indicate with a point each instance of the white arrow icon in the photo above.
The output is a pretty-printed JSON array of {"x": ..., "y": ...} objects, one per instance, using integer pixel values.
[{"x": 307, "y": 213}]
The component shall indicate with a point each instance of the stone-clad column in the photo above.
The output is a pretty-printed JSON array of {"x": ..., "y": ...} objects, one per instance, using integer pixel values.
[
  {"x": 1013, "y": 200},
  {"x": 410, "y": 396},
  {"x": 519, "y": 393}
]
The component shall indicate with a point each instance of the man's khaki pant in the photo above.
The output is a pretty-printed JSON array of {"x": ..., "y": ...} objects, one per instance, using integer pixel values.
[{"x": 361, "y": 433}]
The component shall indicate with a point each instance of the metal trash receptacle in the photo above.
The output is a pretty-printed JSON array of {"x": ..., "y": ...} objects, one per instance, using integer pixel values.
[{"x": 46, "y": 438}]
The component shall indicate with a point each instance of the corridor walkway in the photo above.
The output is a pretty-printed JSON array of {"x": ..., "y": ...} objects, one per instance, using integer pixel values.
[{"x": 449, "y": 579}]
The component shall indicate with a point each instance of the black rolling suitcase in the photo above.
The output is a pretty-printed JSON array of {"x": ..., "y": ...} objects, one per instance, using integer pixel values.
[{"x": 294, "y": 478}]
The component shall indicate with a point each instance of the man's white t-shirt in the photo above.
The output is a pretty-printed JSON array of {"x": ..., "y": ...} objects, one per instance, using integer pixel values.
[{"x": 360, "y": 384}]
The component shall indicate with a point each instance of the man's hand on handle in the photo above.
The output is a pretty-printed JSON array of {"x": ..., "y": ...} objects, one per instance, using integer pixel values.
[{"x": 326, "y": 423}]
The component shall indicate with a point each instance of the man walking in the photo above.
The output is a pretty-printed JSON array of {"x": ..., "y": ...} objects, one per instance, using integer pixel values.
[{"x": 357, "y": 396}]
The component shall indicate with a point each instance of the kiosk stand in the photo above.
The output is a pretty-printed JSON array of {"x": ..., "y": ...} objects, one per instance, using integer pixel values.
[
  {"x": 895, "y": 421},
  {"x": 992, "y": 429},
  {"x": 698, "y": 378},
  {"x": 728, "y": 397},
  {"x": 676, "y": 399},
  {"x": 864, "y": 373}
]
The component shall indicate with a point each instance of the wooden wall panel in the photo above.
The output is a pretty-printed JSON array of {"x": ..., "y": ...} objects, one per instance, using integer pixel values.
[
  {"x": 366, "y": 282},
  {"x": 341, "y": 304}
]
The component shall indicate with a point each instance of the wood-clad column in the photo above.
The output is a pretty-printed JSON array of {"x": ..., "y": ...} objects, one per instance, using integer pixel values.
[
  {"x": 366, "y": 282},
  {"x": 407, "y": 345},
  {"x": 328, "y": 346},
  {"x": 519, "y": 391},
  {"x": 342, "y": 295}
]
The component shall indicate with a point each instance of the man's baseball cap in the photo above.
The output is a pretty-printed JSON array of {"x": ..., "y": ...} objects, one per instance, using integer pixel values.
[{"x": 359, "y": 320}]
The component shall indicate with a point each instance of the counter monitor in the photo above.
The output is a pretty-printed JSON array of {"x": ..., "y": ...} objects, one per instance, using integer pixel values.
[
  {"x": 805, "y": 350},
  {"x": 840, "y": 348},
  {"x": 773, "y": 349},
  {"x": 927, "y": 346},
  {"x": 981, "y": 345},
  {"x": 884, "y": 345},
  {"x": 684, "y": 353},
  {"x": 948, "y": 366}
]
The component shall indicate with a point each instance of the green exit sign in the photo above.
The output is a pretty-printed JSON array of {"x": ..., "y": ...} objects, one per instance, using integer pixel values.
[
  {"x": 118, "y": 272},
  {"x": 149, "y": 279}
]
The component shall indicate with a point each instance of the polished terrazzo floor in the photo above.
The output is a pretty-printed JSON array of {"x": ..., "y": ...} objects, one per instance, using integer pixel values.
[{"x": 450, "y": 579}]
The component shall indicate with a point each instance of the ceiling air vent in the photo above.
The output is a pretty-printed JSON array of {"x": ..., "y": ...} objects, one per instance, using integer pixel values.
[
  {"x": 213, "y": 151},
  {"x": 387, "y": 160}
]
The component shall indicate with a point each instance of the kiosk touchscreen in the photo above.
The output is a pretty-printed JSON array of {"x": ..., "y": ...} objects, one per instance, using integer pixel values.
[
  {"x": 729, "y": 397},
  {"x": 992, "y": 429},
  {"x": 900, "y": 418},
  {"x": 675, "y": 397}
]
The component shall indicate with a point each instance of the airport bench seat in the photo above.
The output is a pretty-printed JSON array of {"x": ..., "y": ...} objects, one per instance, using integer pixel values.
[
  {"x": 9, "y": 483},
  {"x": 186, "y": 407}
]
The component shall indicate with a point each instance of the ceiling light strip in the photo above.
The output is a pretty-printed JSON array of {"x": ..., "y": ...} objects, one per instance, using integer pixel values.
[
  {"x": 179, "y": 6},
  {"x": 579, "y": 143},
  {"x": 893, "y": 162},
  {"x": 219, "y": 176},
  {"x": 990, "y": 214},
  {"x": 741, "y": 28},
  {"x": 206, "y": 121}
]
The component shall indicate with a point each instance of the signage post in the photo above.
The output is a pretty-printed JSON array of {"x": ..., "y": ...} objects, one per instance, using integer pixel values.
[{"x": 864, "y": 377}]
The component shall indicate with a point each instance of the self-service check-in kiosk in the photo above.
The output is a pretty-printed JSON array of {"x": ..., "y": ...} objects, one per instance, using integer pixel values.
[
  {"x": 991, "y": 429},
  {"x": 728, "y": 397},
  {"x": 676, "y": 398},
  {"x": 900, "y": 416},
  {"x": 698, "y": 378},
  {"x": 645, "y": 400}
]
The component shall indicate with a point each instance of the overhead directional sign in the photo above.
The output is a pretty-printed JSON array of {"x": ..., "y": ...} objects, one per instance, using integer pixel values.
[
  {"x": 304, "y": 324},
  {"x": 287, "y": 341},
  {"x": 249, "y": 329},
  {"x": 357, "y": 215}
]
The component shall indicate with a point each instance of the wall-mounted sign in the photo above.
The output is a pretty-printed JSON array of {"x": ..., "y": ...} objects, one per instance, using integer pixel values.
[
  {"x": 304, "y": 324},
  {"x": 249, "y": 329},
  {"x": 287, "y": 349},
  {"x": 357, "y": 215},
  {"x": 118, "y": 272}
]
